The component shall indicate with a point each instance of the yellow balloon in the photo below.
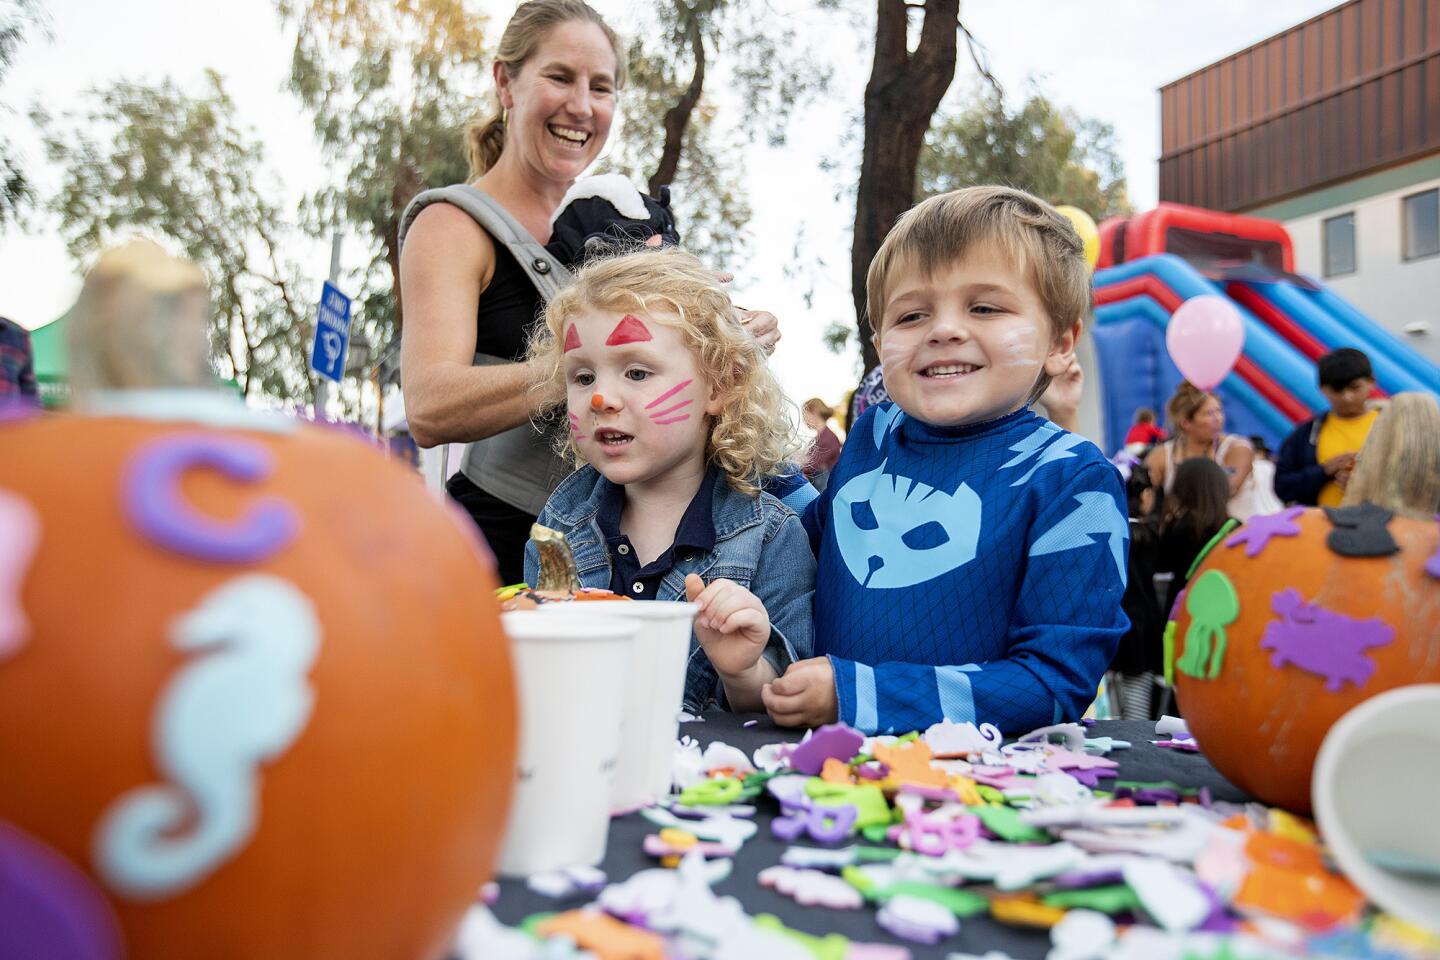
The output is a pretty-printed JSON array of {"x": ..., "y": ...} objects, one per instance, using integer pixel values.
[{"x": 1089, "y": 235}]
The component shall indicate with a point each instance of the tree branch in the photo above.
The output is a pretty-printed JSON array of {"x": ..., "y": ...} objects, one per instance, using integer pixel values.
[
  {"x": 677, "y": 118},
  {"x": 979, "y": 56}
]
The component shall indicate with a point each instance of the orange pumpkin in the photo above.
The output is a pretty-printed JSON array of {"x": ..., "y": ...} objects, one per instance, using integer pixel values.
[
  {"x": 291, "y": 734},
  {"x": 1303, "y": 634}
]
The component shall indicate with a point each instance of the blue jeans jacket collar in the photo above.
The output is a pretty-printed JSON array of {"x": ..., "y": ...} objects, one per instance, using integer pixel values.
[{"x": 753, "y": 534}]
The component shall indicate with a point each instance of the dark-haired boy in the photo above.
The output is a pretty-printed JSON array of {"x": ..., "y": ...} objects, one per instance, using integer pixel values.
[{"x": 1316, "y": 459}]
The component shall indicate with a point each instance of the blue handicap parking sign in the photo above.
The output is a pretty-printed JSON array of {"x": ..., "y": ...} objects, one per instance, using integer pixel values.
[{"x": 332, "y": 334}]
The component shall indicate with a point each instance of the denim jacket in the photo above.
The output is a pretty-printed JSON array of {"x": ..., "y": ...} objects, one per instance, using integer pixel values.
[{"x": 759, "y": 543}]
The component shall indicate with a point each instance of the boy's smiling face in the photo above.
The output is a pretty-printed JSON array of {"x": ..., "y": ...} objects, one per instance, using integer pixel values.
[
  {"x": 968, "y": 343},
  {"x": 638, "y": 405}
]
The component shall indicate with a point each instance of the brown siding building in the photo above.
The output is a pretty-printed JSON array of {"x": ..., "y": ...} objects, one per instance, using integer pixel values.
[
  {"x": 1350, "y": 92},
  {"x": 1332, "y": 127}
]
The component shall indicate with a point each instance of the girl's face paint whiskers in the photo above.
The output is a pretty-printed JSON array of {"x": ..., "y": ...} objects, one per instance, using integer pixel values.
[
  {"x": 627, "y": 378},
  {"x": 664, "y": 416}
]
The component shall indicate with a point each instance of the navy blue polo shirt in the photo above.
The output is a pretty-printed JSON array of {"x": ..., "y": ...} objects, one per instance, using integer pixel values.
[{"x": 695, "y": 533}]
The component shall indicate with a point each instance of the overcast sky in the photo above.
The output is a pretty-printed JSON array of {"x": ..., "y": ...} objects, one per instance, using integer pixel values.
[{"x": 1104, "y": 58}]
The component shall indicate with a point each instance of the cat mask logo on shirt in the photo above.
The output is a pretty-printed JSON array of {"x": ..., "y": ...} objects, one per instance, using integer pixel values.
[{"x": 896, "y": 532}]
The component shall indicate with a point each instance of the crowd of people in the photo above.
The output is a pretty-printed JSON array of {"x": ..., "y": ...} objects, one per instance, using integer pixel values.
[
  {"x": 1185, "y": 488},
  {"x": 639, "y": 417},
  {"x": 825, "y": 573}
]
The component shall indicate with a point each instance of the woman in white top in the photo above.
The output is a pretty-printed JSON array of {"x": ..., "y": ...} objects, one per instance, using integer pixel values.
[{"x": 1197, "y": 426}]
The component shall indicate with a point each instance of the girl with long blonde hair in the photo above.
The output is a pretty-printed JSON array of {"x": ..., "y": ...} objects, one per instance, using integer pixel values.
[{"x": 1398, "y": 468}]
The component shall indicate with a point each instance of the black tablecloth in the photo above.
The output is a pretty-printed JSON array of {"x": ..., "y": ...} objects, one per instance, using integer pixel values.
[{"x": 1141, "y": 762}]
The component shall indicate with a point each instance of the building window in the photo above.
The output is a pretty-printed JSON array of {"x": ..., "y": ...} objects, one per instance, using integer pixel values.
[
  {"x": 1339, "y": 235},
  {"x": 1422, "y": 225}
]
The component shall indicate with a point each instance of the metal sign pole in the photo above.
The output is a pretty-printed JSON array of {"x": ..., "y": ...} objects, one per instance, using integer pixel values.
[{"x": 323, "y": 387}]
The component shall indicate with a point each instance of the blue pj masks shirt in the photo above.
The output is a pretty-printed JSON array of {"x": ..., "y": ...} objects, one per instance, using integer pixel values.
[{"x": 967, "y": 573}]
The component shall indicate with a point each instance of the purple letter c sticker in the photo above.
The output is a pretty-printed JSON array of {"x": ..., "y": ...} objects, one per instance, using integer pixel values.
[{"x": 150, "y": 497}]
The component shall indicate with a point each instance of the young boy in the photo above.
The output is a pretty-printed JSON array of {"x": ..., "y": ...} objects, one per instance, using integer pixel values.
[
  {"x": 1316, "y": 459},
  {"x": 972, "y": 555}
]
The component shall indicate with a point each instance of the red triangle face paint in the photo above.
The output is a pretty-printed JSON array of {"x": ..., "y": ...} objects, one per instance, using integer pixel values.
[
  {"x": 630, "y": 329},
  {"x": 572, "y": 339}
]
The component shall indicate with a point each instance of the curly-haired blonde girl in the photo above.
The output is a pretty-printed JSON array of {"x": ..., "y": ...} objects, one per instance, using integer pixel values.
[
  {"x": 688, "y": 438},
  {"x": 753, "y": 436}
]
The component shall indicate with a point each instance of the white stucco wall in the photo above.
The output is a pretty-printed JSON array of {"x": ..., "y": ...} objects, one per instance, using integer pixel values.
[{"x": 1389, "y": 289}]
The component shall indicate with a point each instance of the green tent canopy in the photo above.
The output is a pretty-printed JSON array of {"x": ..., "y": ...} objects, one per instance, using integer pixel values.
[{"x": 52, "y": 363}]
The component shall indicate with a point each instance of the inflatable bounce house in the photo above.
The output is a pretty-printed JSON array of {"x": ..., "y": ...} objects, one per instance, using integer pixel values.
[{"x": 1151, "y": 263}]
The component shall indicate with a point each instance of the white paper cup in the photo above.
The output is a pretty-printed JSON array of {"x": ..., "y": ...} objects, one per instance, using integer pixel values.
[
  {"x": 1376, "y": 779},
  {"x": 570, "y": 674},
  {"x": 655, "y": 683}
]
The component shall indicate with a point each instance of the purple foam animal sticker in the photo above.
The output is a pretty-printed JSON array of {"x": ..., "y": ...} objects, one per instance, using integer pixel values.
[
  {"x": 1321, "y": 641},
  {"x": 832, "y": 740},
  {"x": 1258, "y": 530}
]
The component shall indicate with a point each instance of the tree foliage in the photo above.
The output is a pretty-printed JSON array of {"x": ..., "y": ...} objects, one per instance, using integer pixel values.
[
  {"x": 1042, "y": 148},
  {"x": 152, "y": 160},
  {"x": 390, "y": 87},
  {"x": 682, "y": 51},
  {"x": 905, "y": 88},
  {"x": 19, "y": 21},
  {"x": 710, "y": 204}
]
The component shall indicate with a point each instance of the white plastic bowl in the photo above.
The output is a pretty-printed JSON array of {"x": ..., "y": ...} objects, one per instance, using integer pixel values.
[{"x": 1375, "y": 789}]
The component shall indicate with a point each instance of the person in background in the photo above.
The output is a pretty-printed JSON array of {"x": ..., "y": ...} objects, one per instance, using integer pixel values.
[
  {"x": 826, "y": 450},
  {"x": 17, "y": 362},
  {"x": 1140, "y": 659},
  {"x": 1261, "y": 489},
  {"x": 1061, "y": 399},
  {"x": 1399, "y": 466},
  {"x": 870, "y": 392},
  {"x": 1144, "y": 432},
  {"x": 1195, "y": 509},
  {"x": 1316, "y": 459},
  {"x": 1198, "y": 422}
]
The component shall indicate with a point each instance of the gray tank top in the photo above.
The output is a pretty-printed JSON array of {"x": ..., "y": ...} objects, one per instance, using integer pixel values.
[{"x": 520, "y": 465}]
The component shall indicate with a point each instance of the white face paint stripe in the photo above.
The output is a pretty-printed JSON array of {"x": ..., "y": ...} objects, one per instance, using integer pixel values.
[{"x": 241, "y": 702}]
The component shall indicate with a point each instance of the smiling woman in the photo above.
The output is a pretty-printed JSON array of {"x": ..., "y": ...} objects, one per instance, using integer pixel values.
[{"x": 469, "y": 301}]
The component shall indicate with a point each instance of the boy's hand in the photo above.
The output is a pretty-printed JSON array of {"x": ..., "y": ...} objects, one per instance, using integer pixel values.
[
  {"x": 1341, "y": 462},
  {"x": 805, "y": 696},
  {"x": 732, "y": 625}
]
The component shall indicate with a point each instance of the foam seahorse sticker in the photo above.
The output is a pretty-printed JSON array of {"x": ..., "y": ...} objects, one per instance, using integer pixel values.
[
  {"x": 1213, "y": 605},
  {"x": 241, "y": 702}
]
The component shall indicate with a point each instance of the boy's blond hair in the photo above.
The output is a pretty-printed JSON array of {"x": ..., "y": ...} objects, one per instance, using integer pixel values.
[
  {"x": 943, "y": 229},
  {"x": 754, "y": 435}
]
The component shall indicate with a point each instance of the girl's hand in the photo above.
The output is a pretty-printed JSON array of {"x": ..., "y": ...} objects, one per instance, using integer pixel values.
[
  {"x": 805, "y": 696},
  {"x": 732, "y": 625}
]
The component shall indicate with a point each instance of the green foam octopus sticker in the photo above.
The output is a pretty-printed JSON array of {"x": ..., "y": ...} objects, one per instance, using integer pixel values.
[{"x": 1213, "y": 605}]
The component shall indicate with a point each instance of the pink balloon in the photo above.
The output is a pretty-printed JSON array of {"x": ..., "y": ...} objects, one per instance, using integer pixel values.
[{"x": 1204, "y": 338}]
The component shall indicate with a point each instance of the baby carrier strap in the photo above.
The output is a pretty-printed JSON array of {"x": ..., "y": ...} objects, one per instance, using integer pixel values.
[{"x": 520, "y": 465}]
